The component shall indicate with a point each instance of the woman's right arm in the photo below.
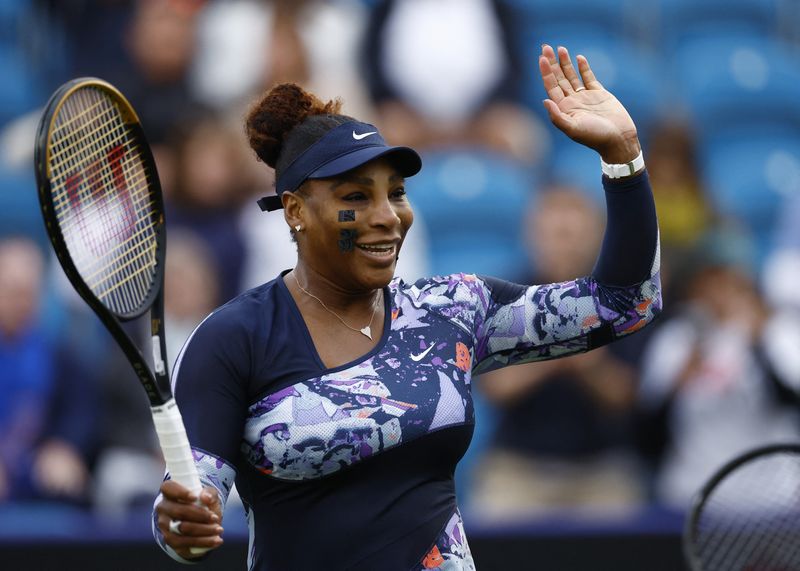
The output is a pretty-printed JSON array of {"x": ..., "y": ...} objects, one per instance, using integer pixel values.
[{"x": 209, "y": 386}]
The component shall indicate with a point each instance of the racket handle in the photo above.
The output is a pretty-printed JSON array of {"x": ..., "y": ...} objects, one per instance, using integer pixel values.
[{"x": 177, "y": 452}]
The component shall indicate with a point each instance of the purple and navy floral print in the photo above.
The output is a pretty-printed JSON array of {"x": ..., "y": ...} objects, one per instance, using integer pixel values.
[
  {"x": 443, "y": 329},
  {"x": 358, "y": 460}
]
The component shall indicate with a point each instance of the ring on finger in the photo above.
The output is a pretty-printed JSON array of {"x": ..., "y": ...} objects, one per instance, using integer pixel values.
[
  {"x": 581, "y": 88},
  {"x": 175, "y": 526}
]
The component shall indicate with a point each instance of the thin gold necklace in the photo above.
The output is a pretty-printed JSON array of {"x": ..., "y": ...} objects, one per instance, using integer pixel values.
[{"x": 366, "y": 330}]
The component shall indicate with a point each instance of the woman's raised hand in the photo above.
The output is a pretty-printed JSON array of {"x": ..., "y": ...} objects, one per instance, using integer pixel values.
[{"x": 584, "y": 110}]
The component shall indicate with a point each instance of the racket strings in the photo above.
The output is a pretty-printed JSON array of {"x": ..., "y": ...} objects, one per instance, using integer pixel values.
[
  {"x": 112, "y": 225},
  {"x": 95, "y": 158},
  {"x": 102, "y": 198},
  {"x": 142, "y": 203},
  {"x": 99, "y": 174},
  {"x": 64, "y": 156},
  {"x": 65, "y": 124},
  {"x": 751, "y": 519}
]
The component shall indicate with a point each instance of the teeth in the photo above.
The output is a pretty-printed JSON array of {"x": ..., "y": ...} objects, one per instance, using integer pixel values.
[{"x": 377, "y": 247}]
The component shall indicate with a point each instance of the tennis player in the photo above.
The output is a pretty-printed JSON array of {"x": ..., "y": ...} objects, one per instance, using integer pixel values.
[{"x": 336, "y": 396}]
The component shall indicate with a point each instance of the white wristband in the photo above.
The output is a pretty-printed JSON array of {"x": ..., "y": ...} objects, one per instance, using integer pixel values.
[{"x": 624, "y": 169}]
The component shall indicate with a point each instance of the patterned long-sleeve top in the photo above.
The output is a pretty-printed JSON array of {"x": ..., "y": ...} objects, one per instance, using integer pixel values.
[{"x": 352, "y": 467}]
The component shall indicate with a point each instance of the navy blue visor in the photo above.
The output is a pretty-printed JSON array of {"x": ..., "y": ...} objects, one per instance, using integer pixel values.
[{"x": 341, "y": 149}]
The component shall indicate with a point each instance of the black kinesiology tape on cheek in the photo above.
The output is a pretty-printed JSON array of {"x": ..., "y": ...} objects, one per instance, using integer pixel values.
[
  {"x": 347, "y": 216},
  {"x": 347, "y": 240}
]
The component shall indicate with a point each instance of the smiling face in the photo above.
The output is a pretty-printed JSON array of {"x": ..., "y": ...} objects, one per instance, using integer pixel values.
[{"x": 359, "y": 254}]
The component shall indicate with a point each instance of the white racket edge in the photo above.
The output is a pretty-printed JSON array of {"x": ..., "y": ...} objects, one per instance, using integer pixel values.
[{"x": 177, "y": 452}]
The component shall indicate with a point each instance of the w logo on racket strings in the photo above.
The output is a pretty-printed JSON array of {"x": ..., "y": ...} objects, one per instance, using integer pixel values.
[{"x": 105, "y": 212}]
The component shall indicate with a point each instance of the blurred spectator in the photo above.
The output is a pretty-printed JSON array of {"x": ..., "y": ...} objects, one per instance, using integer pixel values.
[
  {"x": 440, "y": 85},
  {"x": 145, "y": 48},
  {"x": 47, "y": 402},
  {"x": 212, "y": 181},
  {"x": 562, "y": 440},
  {"x": 245, "y": 46},
  {"x": 191, "y": 288},
  {"x": 721, "y": 375},
  {"x": 684, "y": 209},
  {"x": 160, "y": 43}
]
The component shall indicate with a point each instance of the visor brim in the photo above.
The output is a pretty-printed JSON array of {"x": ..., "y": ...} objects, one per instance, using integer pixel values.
[{"x": 405, "y": 159}]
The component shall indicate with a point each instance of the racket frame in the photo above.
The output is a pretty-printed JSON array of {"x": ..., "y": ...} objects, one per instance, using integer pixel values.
[
  {"x": 166, "y": 416},
  {"x": 702, "y": 496},
  {"x": 156, "y": 383}
]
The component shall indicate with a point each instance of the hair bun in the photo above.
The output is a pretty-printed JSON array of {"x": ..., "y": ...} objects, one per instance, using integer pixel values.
[{"x": 279, "y": 111}]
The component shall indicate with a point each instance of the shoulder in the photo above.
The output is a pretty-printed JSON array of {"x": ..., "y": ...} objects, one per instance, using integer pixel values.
[
  {"x": 238, "y": 325},
  {"x": 456, "y": 298},
  {"x": 438, "y": 290}
]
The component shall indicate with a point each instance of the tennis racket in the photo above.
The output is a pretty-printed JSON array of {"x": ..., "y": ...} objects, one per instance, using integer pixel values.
[
  {"x": 747, "y": 516},
  {"x": 101, "y": 201}
]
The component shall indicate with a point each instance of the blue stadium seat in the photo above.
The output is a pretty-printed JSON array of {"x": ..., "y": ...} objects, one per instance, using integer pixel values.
[
  {"x": 12, "y": 14},
  {"x": 737, "y": 81},
  {"x": 578, "y": 166},
  {"x": 682, "y": 20},
  {"x": 749, "y": 177},
  {"x": 473, "y": 205},
  {"x": 20, "y": 91},
  {"x": 19, "y": 205},
  {"x": 613, "y": 16}
]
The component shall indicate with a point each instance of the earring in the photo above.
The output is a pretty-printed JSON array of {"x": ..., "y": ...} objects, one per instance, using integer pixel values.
[{"x": 298, "y": 228}]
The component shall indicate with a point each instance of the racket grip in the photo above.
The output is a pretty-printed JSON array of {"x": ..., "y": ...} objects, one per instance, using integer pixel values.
[
  {"x": 177, "y": 452},
  {"x": 175, "y": 445}
]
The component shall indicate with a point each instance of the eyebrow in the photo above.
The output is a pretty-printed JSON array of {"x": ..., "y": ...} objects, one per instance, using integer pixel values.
[{"x": 361, "y": 180}]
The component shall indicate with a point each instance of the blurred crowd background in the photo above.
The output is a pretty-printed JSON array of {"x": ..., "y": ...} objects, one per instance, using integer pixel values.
[{"x": 714, "y": 88}]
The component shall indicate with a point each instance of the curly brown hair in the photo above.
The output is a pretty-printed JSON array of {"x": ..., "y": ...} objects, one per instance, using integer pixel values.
[{"x": 287, "y": 120}]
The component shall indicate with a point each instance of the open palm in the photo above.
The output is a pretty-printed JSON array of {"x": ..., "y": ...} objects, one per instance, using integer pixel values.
[{"x": 584, "y": 110}]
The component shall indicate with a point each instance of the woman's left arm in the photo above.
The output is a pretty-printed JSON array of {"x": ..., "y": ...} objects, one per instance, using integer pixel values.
[{"x": 521, "y": 324}]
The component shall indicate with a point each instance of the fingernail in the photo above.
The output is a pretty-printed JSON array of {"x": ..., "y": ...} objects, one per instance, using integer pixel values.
[
  {"x": 214, "y": 518},
  {"x": 217, "y": 541},
  {"x": 218, "y": 530}
]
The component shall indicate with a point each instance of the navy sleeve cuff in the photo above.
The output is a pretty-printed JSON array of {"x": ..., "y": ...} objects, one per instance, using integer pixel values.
[{"x": 631, "y": 237}]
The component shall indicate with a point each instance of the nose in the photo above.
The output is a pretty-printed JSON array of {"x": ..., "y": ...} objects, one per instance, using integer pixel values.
[{"x": 383, "y": 214}]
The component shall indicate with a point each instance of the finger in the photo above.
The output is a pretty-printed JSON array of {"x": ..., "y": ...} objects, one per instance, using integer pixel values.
[
  {"x": 192, "y": 529},
  {"x": 188, "y": 527},
  {"x": 589, "y": 80},
  {"x": 175, "y": 491},
  {"x": 182, "y": 542},
  {"x": 566, "y": 67},
  {"x": 555, "y": 64},
  {"x": 209, "y": 498},
  {"x": 186, "y": 512},
  {"x": 554, "y": 91},
  {"x": 559, "y": 119}
]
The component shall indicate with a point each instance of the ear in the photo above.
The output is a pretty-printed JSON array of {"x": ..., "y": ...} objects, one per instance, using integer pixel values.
[{"x": 294, "y": 209}]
